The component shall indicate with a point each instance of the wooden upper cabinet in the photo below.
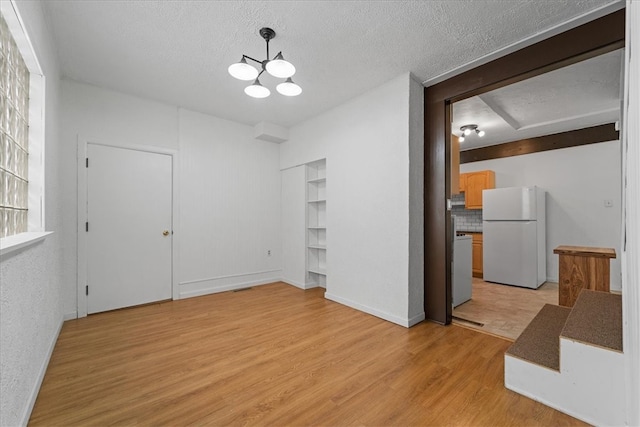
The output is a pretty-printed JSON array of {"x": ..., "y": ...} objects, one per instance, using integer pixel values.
[
  {"x": 455, "y": 165},
  {"x": 463, "y": 182},
  {"x": 475, "y": 182}
]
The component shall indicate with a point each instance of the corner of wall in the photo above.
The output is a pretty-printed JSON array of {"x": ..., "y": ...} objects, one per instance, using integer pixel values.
[
  {"x": 41, "y": 372},
  {"x": 416, "y": 201}
]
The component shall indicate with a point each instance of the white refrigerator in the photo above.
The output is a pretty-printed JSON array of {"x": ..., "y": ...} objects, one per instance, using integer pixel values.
[{"x": 514, "y": 243}]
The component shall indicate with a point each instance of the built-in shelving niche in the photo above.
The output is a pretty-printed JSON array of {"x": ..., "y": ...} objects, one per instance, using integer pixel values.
[{"x": 317, "y": 223}]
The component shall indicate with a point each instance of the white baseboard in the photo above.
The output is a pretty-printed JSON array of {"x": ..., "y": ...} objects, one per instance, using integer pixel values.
[
  {"x": 550, "y": 404},
  {"x": 304, "y": 286},
  {"x": 43, "y": 370},
  {"x": 70, "y": 316},
  {"x": 369, "y": 310},
  {"x": 417, "y": 319},
  {"x": 227, "y": 283}
]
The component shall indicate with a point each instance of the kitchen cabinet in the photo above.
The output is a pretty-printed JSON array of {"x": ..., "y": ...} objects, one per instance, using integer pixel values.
[
  {"x": 475, "y": 182},
  {"x": 476, "y": 254},
  {"x": 462, "y": 184}
]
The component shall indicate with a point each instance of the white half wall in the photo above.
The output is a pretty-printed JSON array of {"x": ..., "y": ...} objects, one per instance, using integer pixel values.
[
  {"x": 577, "y": 180},
  {"x": 229, "y": 206},
  {"x": 366, "y": 144},
  {"x": 31, "y": 285}
]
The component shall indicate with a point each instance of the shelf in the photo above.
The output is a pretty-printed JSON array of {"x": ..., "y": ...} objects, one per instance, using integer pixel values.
[{"x": 316, "y": 215}]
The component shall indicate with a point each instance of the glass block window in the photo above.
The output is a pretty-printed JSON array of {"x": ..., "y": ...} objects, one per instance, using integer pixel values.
[{"x": 14, "y": 135}]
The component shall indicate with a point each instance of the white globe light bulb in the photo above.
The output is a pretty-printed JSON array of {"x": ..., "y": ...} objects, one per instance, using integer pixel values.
[
  {"x": 256, "y": 90},
  {"x": 280, "y": 68},
  {"x": 289, "y": 88},
  {"x": 243, "y": 71}
]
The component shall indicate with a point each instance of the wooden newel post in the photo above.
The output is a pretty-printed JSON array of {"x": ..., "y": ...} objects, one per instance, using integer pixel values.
[{"x": 581, "y": 268}]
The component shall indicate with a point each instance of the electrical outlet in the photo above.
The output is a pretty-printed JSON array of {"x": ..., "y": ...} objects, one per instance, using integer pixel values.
[
  {"x": 269, "y": 252},
  {"x": 608, "y": 203}
]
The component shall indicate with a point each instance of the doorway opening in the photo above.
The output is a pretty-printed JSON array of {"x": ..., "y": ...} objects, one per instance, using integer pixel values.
[
  {"x": 590, "y": 40},
  {"x": 577, "y": 179}
]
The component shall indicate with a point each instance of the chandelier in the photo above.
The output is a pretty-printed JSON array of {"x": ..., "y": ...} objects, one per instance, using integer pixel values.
[{"x": 277, "y": 67}]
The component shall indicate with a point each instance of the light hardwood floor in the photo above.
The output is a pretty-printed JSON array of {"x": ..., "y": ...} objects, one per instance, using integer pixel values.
[
  {"x": 504, "y": 310},
  {"x": 276, "y": 355}
]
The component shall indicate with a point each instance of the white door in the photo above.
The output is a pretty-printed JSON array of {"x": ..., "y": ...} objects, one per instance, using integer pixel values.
[
  {"x": 129, "y": 237},
  {"x": 510, "y": 254}
]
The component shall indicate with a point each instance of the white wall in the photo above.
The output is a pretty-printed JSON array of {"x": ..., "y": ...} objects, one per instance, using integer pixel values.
[
  {"x": 366, "y": 144},
  {"x": 228, "y": 193},
  {"x": 416, "y": 200},
  {"x": 293, "y": 220},
  {"x": 229, "y": 208},
  {"x": 577, "y": 180},
  {"x": 102, "y": 116},
  {"x": 631, "y": 255},
  {"x": 31, "y": 308}
]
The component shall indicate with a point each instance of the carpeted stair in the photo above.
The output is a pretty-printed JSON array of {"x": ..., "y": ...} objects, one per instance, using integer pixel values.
[
  {"x": 595, "y": 319},
  {"x": 539, "y": 343},
  {"x": 571, "y": 359}
]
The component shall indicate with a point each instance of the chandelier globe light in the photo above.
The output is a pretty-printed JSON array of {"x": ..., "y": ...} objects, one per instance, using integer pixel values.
[
  {"x": 243, "y": 71},
  {"x": 289, "y": 88},
  {"x": 467, "y": 130},
  {"x": 277, "y": 67},
  {"x": 256, "y": 90}
]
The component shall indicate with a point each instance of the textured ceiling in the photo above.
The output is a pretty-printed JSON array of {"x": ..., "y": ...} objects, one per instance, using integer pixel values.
[
  {"x": 574, "y": 97},
  {"x": 178, "y": 52}
]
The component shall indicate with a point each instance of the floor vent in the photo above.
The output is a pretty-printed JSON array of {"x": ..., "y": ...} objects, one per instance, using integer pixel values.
[{"x": 242, "y": 289}]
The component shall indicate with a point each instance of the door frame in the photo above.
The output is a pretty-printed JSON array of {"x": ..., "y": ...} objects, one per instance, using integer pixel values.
[
  {"x": 82, "y": 144},
  {"x": 594, "y": 38}
]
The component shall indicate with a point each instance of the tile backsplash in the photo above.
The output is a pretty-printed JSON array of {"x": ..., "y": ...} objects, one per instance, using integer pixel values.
[{"x": 466, "y": 219}]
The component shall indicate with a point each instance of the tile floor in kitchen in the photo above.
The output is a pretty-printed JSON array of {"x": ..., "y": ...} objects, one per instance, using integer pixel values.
[{"x": 501, "y": 309}]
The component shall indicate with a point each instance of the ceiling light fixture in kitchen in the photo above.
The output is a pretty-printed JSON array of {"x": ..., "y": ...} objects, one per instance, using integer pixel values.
[
  {"x": 468, "y": 129},
  {"x": 277, "y": 67}
]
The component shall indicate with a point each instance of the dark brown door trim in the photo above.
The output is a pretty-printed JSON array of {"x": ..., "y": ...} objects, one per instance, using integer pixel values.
[{"x": 586, "y": 41}]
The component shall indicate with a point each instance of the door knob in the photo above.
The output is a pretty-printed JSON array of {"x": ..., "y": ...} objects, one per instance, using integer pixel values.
[{"x": 165, "y": 233}]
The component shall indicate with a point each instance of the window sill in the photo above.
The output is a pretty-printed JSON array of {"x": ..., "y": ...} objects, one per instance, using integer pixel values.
[{"x": 20, "y": 241}]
